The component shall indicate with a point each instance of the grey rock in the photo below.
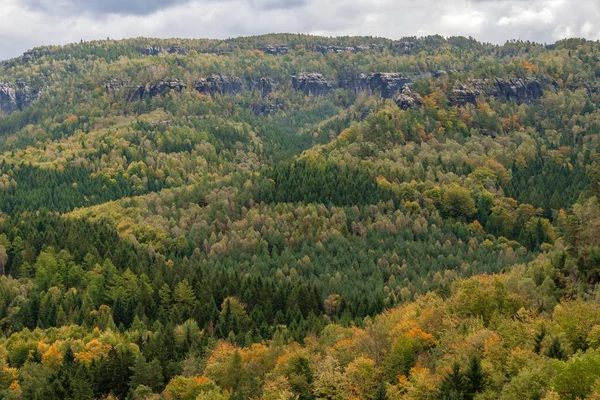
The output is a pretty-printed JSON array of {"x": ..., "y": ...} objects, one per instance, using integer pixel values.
[
  {"x": 366, "y": 47},
  {"x": 112, "y": 85},
  {"x": 219, "y": 84},
  {"x": 28, "y": 56},
  {"x": 312, "y": 84},
  {"x": 151, "y": 50},
  {"x": 463, "y": 95},
  {"x": 406, "y": 48},
  {"x": 334, "y": 49},
  {"x": 358, "y": 83},
  {"x": 175, "y": 49},
  {"x": 265, "y": 87},
  {"x": 388, "y": 83},
  {"x": 15, "y": 98},
  {"x": 326, "y": 49},
  {"x": 265, "y": 109},
  {"x": 518, "y": 90},
  {"x": 158, "y": 89},
  {"x": 409, "y": 100},
  {"x": 521, "y": 91},
  {"x": 276, "y": 50}
]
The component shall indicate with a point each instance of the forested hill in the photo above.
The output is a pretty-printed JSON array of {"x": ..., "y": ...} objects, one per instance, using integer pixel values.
[{"x": 300, "y": 217}]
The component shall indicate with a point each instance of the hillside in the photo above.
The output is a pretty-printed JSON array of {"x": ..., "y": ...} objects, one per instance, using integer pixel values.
[{"x": 293, "y": 216}]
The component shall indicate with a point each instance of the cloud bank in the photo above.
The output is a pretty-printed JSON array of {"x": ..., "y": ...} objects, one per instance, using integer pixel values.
[{"x": 28, "y": 23}]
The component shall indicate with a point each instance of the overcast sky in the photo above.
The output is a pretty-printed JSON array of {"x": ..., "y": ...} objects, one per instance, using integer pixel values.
[{"x": 28, "y": 23}]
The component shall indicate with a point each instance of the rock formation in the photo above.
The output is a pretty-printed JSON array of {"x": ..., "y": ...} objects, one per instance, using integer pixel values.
[
  {"x": 334, "y": 49},
  {"x": 265, "y": 86},
  {"x": 359, "y": 83},
  {"x": 175, "y": 49},
  {"x": 406, "y": 47},
  {"x": 158, "y": 89},
  {"x": 218, "y": 83},
  {"x": 14, "y": 98},
  {"x": 151, "y": 50},
  {"x": 312, "y": 84},
  {"x": 112, "y": 85},
  {"x": 519, "y": 90},
  {"x": 388, "y": 83},
  {"x": 324, "y": 49},
  {"x": 28, "y": 56},
  {"x": 463, "y": 95},
  {"x": 277, "y": 50},
  {"x": 409, "y": 100},
  {"x": 266, "y": 109}
]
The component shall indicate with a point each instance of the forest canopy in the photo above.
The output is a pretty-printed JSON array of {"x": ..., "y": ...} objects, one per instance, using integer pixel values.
[{"x": 300, "y": 217}]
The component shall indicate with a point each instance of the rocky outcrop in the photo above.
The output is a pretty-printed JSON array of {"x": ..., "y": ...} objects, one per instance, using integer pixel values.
[
  {"x": 359, "y": 83},
  {"x": 219, "y": 84},
  {"x": 463, "y": 95},
  {"x": 366, "y": 47},
  {"x": 151, "y": 50},
  {"x": 158, "y": 89},
  {"x": 406, "y": 47},
  {"x": 156, "y": 50},
  {"x": 409, "y": 100},
  {"x": 175, "y": 49},
  {"x": 28, "y": 56},
  {"x": 334, "y": 49},
  {"x": 325, "y": 49},
  {"x": 112, "y": 85},
  {"x": 518, "y": 90},
  {"x": 265, "y": 86},
  {"x": 389, "y": 84},
  {"x": 277, "y": 50},
  {"x": 14, "y": 98},
  {"x": 266, "y": 109},
  {"x": 312, "y": 84}
]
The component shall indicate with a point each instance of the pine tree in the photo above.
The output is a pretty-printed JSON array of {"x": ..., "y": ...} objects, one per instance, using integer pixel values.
[
  {"x": 454, "y": 385},
  {"x": 538, "y": 339},
  {"x": 555, "y": 350},
  {"x": 475, "y": 377}
]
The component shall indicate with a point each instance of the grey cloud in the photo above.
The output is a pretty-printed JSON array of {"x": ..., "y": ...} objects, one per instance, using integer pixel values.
[
  {"x": 137, "y": 7},
  {"x": 101, "y": 7},
  {"x": 277, "y": 4}
]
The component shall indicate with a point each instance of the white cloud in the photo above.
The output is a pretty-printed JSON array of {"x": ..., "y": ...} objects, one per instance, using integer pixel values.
[
  {"x": 469, "y": 22},
  {"x": 24, "y": 25},
  {"x": 528, "y": 17}
]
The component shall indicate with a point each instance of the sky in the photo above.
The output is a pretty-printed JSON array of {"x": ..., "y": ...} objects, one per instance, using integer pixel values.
[{"x": 25, "y": 24}]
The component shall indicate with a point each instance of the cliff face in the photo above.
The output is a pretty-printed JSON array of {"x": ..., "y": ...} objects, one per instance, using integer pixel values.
[
  {"x": 312, "y": 84},
  {"x": 218, "y": 83},
  {"x": 520, "y": 91},
  {"x": 358, "y": 83},
  {"x": 156, "y": 50},
  {"x": 277, "y": 50},
  {"x": 13, "y": 98},
  {"x": 409, "y": 100},
  {"x": 159, "y": 89},
  {"x": 389, "y": 83},
  {"x": 462, "y": 95}
]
